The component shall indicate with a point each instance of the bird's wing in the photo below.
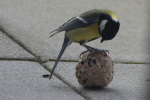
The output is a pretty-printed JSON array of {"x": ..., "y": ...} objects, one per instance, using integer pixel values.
[
  {"x": 83, "y": 20},
  {"x": 73, "y": 23},
  {"x": 91, "y": 16}
]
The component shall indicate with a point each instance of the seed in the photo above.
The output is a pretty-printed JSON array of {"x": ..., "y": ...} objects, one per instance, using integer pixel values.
[
  {"x": 77, "y": 68},
  {"x": 94, "y": 61},
  {"x": 82, "y": 62},
  {"x": 84, "y": 81},
  {"x": 90, "y": 59},
  {"x": 80, "y": 71},
  {"x": 79, "y": 77},
  {"x": 89, "y": 64},
  {"x": 93, "y": 73}
]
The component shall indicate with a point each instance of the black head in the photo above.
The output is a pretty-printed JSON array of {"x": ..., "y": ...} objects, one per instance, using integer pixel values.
[{"x": 108, "y": 27}]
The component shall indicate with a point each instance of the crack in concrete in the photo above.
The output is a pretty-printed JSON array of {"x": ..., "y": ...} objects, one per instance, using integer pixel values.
[{"x": 19, "y": 59}]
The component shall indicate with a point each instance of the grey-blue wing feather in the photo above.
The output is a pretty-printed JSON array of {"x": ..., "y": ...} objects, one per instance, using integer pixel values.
[
  {"x": 69, "y": 25},
  {"x": 84, "y": 20},
  {"x": 72, "y": 24},
  {"x": 91, "y": 16}
]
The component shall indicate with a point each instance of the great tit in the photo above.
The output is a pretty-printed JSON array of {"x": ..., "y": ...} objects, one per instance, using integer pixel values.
[{"x": 86, "y": 27}]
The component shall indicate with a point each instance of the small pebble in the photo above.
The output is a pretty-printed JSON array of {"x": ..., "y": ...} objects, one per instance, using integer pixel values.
[{"x": 46, "y": 75}]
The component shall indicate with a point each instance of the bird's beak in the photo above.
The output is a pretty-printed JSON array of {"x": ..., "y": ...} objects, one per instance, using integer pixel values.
[{"x": 102, "y": 40}]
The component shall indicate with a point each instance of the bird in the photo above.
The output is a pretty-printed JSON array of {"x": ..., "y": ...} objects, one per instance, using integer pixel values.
[{"x": 88, "y": 26}]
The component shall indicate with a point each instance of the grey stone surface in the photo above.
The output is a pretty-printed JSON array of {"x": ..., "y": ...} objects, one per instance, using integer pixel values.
[
  {"x": 22, "y": 80},
  {"x": 10, "y": 50},
  {"x": 30, "y": 22},
  {"x": 130, "y": 82}
]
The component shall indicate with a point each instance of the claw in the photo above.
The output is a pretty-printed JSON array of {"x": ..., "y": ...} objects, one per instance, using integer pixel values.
[
  {"x": 103, "y": 51},
  {"x": 83, "y": 53},
  {"x": 91, "y": 49}
]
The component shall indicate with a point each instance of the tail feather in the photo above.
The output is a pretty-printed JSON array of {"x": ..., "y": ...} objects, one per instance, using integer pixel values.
[
  {"x": 54, "y": 32},
  {"x": 63, "y": 27},
  {"x": 65, "y": 44}
]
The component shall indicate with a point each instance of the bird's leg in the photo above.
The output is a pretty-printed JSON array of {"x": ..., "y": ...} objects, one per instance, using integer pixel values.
[
  {"x": 83, "y": 44},
  {"x": 91, "y": 48}
]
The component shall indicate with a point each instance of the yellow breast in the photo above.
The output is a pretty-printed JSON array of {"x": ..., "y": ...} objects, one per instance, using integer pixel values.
[{"x": 83, "y": 34}]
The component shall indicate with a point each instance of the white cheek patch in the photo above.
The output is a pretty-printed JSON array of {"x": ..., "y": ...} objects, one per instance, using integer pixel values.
[{"x": 102, "y": 24}]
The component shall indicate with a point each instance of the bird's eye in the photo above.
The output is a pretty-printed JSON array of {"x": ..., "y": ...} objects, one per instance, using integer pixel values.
[{"x": 102, "y": 25}]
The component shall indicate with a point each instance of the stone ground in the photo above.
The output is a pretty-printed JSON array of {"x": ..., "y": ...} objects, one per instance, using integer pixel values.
[{"x": 27, "y": 53}]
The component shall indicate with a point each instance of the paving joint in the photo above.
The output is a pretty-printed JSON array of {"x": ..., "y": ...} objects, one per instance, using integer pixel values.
[
  {"x": 17, "y": 42},
  {"x": 19, "y": 59},
  {"x": 131, "y": 63},
  {"x": 114, "y": 61}
]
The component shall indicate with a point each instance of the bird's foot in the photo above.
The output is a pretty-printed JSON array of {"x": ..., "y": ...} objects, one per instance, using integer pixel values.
[
  {"x": 83, "y": 53},
  {"x": 92, "y": 50}
]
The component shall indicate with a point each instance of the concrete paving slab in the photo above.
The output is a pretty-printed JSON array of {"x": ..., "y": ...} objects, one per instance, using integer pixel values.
[
  {"x": 22, "y": 80},
  {"x": 130, "y": 82},
  {"x": 10, "y": 50},
  {"x": 30, "y": 22}
]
